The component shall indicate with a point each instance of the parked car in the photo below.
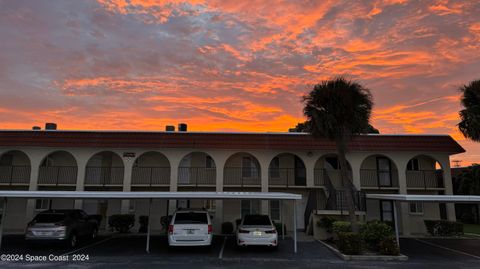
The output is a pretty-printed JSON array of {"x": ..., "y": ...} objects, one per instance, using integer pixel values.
[
  {"x": 68, "y": 225},
  {"x": 190, "y": 227},
  {"x": 257, "y": 230}
]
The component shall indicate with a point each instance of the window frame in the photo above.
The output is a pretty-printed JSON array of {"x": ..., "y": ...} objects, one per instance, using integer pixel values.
[{"x": 419, "y": 209}]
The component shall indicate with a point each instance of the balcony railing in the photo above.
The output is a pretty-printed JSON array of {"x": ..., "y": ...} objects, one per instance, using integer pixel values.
[
  {"x": 425, "y": 179},
  {"x": 57, "y": 175},
  {"x": 286, "y": 177},
  {"x": 196, "y": 176},
  {"x": 242, "y": 176},
  {"x": 151, "y": 176},
  {"x": 373, "y": 178},
  {"x": 15, "y": 174},
  {"x": 319, "y": 177},
  {"x": 104, "y": 176}
]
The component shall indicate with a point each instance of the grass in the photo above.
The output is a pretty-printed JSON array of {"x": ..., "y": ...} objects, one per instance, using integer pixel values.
[{"x": 471, "y": 228}]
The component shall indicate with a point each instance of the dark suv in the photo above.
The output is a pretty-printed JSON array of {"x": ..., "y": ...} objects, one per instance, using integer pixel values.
[{"x": 61, "y": 225}]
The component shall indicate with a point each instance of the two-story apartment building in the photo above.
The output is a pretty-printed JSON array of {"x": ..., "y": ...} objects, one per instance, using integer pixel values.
[{"x": 213, "y": 161}]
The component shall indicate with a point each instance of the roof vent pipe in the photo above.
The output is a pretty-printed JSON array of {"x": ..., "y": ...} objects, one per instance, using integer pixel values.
[
  {"x": 36, "y": 128},
  {"x": 170, "y": 128}
]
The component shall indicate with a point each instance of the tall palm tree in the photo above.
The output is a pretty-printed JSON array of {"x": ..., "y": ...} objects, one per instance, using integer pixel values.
[
  {"x": 469, "y": 181},
  {"x": 337, "y": 109},
  {"x": 470, "y": 115}
]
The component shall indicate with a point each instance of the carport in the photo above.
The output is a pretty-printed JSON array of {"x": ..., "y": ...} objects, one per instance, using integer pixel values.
[
  {"x": 399, "y": 198},
  {"x": 151, "y": 196}
]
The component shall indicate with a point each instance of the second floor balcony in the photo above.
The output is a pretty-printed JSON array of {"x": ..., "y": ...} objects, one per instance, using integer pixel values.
[
  {"x": 425, "y": 179},
  {"x": 197, "y": 176},
  {"x": 103, "y": 176},
  {"x": 378, "y": 179},
  {"x": 150, "y": 176},
  {"x": 57, "y": 175},
  {"x": 15, "y": 174}
]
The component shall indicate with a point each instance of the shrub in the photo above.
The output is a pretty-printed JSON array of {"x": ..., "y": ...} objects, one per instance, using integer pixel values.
[
  {"x": 96, "y": 217},
  {"x": 143, "y": 221},
  {"x": 339, "y": 227},
  {"x": 278, "y": 226},
  {"x": 121, "y": 222},
  {"x": 165, "y": 221},
  {"x": 349, "y": 243},
  {"x": 388, "y": 246},
  {"x": 374, "y": 232},
  {"x": 227, "y": 228},
  {"x": 327, "y": 223},
  {"x": 443, "y": 227}
]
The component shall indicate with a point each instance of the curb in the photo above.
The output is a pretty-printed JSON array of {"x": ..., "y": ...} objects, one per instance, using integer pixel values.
[{"x": 344, "y": 257}]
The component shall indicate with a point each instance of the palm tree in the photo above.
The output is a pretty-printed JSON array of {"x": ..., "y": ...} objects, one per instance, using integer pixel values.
[
  {"x": 337, "y": 109},
  {"x": 470, "y": 116},
  {"x": 469, "y": 181}
]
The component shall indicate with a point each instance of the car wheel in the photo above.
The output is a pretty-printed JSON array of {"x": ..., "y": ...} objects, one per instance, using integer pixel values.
[
  {"x": 73, "y": 241},
  {"x": 94, "y": 233}
]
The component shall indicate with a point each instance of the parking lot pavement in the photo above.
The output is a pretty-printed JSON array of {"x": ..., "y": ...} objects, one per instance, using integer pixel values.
[
  {"x": 129, "y": 252},
  {"x": 436, "y": 249}
]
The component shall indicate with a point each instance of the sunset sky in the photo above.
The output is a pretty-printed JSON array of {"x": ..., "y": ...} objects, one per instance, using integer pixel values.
[{"x": 233, "y": 65}]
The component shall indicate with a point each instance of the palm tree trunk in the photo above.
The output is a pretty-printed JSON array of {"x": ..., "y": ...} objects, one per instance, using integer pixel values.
[{"x": 346, "y": 181}]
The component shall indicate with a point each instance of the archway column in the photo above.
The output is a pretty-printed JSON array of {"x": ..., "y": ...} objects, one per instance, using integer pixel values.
[
  {"x": 80, "y": 184},
  {"x": 447, "y": 183},
  {"x": 127, "y": 185},
  {"x": 35, "y": 160}
]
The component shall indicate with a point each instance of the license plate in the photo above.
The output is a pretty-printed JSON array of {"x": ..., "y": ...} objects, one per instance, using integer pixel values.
[
  {"x": 257, "y": 233},
  {"x": 190, "y": 231}
]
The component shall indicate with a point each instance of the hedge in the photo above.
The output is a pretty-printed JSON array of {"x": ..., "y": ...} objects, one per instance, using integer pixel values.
[
  {"x": 349, "y": 243},
  {"x": 443, "y": 227},
  {"x": 121, "y": 222}
]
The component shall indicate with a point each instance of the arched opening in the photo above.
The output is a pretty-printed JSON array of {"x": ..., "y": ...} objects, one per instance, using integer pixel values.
[
  {"x": 378, "y": 171},
  {"x": 327, "y": 168},
  {"x": 197, "y": 169},
  {"x": 104, "y": 169},
  {"x": 15, "y": 168},
  {"x": 151, "y": 169},
  {"x": 424, "y": 172},
  {"x": 287, "y": 169},
  {"x": 242, "y": 170},
  {"x": 58, "y": 168}
]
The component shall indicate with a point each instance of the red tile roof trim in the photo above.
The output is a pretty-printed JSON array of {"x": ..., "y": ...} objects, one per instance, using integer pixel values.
[{"x": 239, "y": 141}]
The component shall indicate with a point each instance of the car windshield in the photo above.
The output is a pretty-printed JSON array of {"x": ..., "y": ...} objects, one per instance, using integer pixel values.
[
  {"x": 191, "y": 218},
  {"x": 257, "y": 220},
  {"x": 49, "y": 218}
]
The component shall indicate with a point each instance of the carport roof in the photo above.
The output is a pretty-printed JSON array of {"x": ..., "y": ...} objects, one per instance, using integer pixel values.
[
  {"x": 151, "y": 195},
  {"x": 426, "y": 198}
]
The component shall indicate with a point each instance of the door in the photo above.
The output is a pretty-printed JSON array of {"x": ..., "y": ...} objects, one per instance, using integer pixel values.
[
  {"x": 384, "y": 171},
  {"x": 300, "y": 173},
  {"x": 102, "y": 207},
  {"x": 386, "y": 211}
]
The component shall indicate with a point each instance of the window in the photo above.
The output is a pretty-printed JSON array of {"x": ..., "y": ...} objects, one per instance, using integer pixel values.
[
  {"x": 386, "y": 210},
  {"x": 250, "y": 207},
  {"x": 191, "y": 218},
  {"x": 275, "y": 167},
  {"x": 6, "y": 160},
  {"x": 275, "y": 210},
  {"x": 333, "y": 162},
  {"x": 248, "y": 167},
  {"x": 257, "y": 220},
  {"x": 413, "y": 165},
  {"x": 210, "y": 205},
  {"x": 416, "y": 208},
  {"x": 209, "y": 163},
  {"x": 42, "y": 204}
]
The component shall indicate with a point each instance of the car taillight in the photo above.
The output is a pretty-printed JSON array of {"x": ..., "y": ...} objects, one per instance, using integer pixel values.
[
  {"x": 271, "y": 232},
  {"x": 210, "y": 228},
  {"x": 243, "y": 231},
  {"x": 170, "y": 229}
]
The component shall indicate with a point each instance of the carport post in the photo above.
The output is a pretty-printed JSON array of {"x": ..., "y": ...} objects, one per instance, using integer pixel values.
[
  {"x": 148, "y": 226},
  {"x": 396, "y": 223},
  {"x": 281, "y": 220},
  {"x": 4, "y": 213},
  {"x": 295, "y": 226}
]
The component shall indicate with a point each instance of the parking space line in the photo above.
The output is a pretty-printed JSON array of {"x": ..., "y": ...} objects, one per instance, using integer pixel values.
[
  {"x": 220, "y": 255},
  {"x": 88, "y": 246},
  {"x": 449, "y": 249}
]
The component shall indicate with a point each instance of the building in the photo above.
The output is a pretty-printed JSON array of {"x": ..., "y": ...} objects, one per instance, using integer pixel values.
[{"x": 214, "y": 161}]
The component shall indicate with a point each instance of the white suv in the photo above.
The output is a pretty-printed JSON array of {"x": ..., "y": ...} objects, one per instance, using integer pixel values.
[{"x": 190, "y": 227}]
